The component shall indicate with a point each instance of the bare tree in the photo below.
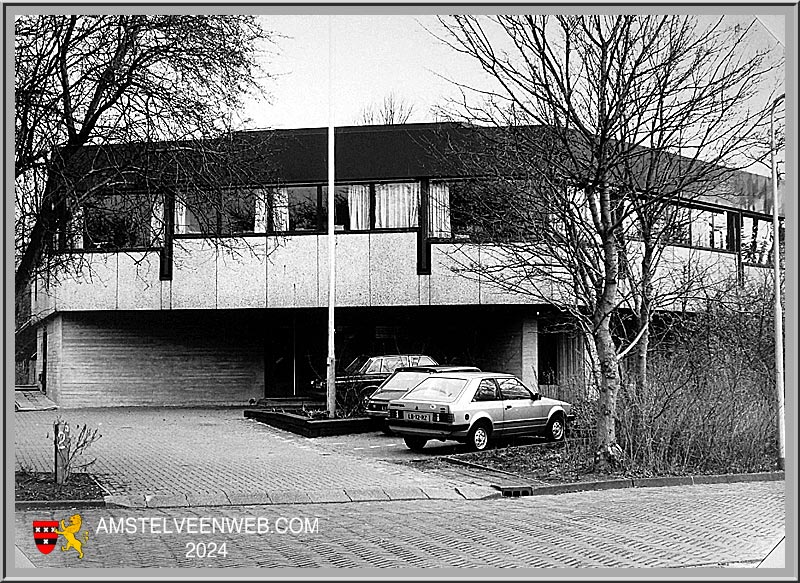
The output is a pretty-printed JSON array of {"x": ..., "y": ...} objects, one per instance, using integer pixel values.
[
  {"x": 392, "y": 111},
  {"x": 116, "y": 104},
  {"x": 599, "y": 122}
]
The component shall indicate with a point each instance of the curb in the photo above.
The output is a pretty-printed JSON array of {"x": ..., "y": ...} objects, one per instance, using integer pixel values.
[
  {"x": 523, "y": 489},
  {"x": 458, "y": 462},
  {"x": 57, "y": 504},
  {"x": 283, "y": 497},
  {"x": 379, "y": 494}
]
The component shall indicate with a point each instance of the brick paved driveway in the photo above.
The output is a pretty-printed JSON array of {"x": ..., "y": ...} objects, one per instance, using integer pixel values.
[
  {"x": 687, "y": 526},
  {"x": 203, "y": 456}
]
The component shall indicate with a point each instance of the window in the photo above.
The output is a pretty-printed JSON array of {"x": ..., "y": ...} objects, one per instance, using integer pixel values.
[
  {"x": 297, "y": 209},
  {"x": 238, "y": 211},
  {"x": 391, "y": 362},
  {"x": 421, "y": 361},
  {"x": 493, "y": 210},
  {"x": 397, "y": 205},
  {"x": 442, "y": 389},
  {"x": 512, "y": 389},
  {"x": 678, "y": 229},
  {"x": 196, "y": 212},
  {"x": 439, "y": 210},
  {"x": 756, "y": 240},
  {"x": 673, "y": 224},
  {"x": 709, "y": 229},
  {"x": 114, "y": 222},
  {"x": 351, "y": 207},
  {"x": 374, "y": 366},
  {"x": 487, "y": 391}
]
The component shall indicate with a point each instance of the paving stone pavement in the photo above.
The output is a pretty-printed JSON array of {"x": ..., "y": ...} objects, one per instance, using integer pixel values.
[
  {"x": 158, "y": 457},
  {"x": 712, "y": 525}
]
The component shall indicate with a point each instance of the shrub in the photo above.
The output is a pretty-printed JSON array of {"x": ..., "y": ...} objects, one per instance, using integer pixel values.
[{"x": 709, "y": 404}]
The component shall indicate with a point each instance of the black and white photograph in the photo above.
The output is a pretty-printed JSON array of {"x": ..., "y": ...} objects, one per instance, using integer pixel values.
[{"x": 400, "y": 291}]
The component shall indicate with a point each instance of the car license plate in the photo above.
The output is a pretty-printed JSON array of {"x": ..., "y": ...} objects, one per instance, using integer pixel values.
[{"x": 418, "y": 416}]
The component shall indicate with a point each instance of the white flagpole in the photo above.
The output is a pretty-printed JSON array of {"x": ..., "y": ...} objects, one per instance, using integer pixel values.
[{"x": 331, "y": 384}]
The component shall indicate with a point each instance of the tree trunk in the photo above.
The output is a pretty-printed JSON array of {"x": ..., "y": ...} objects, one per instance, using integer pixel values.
[
  {"x": 643, "y": 317},
  {"x": 608, "y": 453}
]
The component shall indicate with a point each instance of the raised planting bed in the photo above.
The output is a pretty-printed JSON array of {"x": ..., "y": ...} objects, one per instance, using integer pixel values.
[{"x": 307, "y": 427}]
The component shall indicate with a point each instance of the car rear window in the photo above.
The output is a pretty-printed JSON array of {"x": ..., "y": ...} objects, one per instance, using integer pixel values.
[
  {"x": 404, "y": 380},
  {"x": 439, "y": 389},
  {"x": 397, "y": 384}
]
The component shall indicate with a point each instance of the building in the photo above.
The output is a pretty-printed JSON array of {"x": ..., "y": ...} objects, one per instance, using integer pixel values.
[{"x": 179, "y": 300}]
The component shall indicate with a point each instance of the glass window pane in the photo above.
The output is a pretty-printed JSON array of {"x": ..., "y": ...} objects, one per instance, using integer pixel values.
[
  {"x": 391, "y": 362},
  {"x": 374, "y": 366},
  {"x": 303, "y": 212},
  {"x": 513, "y": 389},
  {"x": 756, "y": 241},
  {"x": 487, "y": 391},
  {"x": 397, "y": 205},
  {"x": 720, "y": 231},
  {"x": 351, "y": 207},
  {"x": 238, "y": 211},
  {"x": 117, "y": 222},
  {"x": 437, "y": 388},
  {"x": 702, "y": 224},
  {"x": 439, "y": 210}
]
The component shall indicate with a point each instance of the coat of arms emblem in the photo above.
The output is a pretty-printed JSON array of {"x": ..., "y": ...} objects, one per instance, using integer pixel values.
[{"x": 45, "y": 535}]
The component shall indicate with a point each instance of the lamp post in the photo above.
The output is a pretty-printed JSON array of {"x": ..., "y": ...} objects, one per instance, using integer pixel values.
[
  {"x": 779, "y": 390},
  {"x": 331, "y": 369}
]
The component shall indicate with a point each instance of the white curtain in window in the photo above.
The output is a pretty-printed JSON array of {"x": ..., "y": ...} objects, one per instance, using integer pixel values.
[
  {"x": 397, "y": 205},
  {"x": 358, "y": 206},
  {"x": 157, "y": 222},
  {"x": 280, "y": 209},
  {"x": 180, "y": 217},
  {"x": 261, "y": 211},
  {"x": 439, "y": 210}
]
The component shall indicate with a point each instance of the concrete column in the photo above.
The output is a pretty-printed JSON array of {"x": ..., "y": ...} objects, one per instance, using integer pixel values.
[{"x": 530, "y": 350}]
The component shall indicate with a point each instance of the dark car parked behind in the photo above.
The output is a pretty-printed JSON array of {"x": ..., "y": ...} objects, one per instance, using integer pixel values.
[{"x": 363, "y": 374}]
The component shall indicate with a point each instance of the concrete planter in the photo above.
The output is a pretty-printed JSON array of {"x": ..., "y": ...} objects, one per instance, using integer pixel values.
[{"x": 306, "y": 427}]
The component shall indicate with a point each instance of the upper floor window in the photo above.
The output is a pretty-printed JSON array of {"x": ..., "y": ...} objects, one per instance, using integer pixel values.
[
  {"x": 756, "y": 236},
  {"x": 351, "y": 207},
  {"x": 709, "y": 229},
  {"x": 397, "y": 205},
  {"x": 118, "y": 221}
]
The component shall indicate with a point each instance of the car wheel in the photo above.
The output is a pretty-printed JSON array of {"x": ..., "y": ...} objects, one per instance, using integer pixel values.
[
  {"x": 478, "y": 438},
  {"x": 556, "y": 428},
  {"x": 415, "y": 443}
]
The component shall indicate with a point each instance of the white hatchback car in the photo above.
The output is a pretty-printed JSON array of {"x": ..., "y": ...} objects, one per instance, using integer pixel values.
[{"x": 475, "y": 407}]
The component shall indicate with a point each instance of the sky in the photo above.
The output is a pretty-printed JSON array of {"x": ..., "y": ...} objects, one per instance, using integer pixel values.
[{"x": 374, "y": 55}]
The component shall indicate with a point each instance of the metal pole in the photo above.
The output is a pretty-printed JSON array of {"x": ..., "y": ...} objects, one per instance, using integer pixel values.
[
  {"x": 779, "y": 390},
  {"x": 331, "y": 384}
]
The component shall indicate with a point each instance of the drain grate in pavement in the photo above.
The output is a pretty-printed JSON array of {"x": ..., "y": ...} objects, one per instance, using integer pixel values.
[{"x": 516, "y": 491}]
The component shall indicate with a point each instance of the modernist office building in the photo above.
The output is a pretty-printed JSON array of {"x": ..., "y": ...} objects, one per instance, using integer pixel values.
[{"x": 182, "y": 302}]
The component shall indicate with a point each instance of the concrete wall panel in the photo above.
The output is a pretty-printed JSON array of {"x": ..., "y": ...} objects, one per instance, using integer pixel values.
[
  {"x": 138, "y": 285},
  {"x": 94, "y": 288},
  {"x": 292, "y": 272},
  {"x": 352, "y": 270},
  {"x": 242, "y": 274},
  {"x": 393, "y": 269},
  {"x": 449, "y": 284},
  {"x": 194, "y": 275}
]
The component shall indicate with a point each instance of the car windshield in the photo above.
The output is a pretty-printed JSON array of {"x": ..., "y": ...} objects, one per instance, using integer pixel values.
[
  {"x": 439, "y": 389},
  {"x": 400, "y": 382}
]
